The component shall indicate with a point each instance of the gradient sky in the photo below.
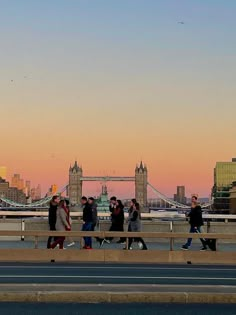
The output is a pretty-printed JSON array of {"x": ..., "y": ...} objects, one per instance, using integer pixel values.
[{"x": 112, "y": 82}]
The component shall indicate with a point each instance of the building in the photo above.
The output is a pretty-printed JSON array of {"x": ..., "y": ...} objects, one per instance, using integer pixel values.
[
  {"x": 36, "y": 193},
  {"x": 102, "y": 201},
  {"x": 180, "y": 195},
  {"x": 75, "y": 184},
  {"x": 3, "y": 172},
  {"x": 17, "y": 182},
  {"x": 28, "y": 188},
  {"x": 232, "y": 199},
  {"x": 52, "y": 190},
  {"x": 224, "y": 176},
  {"x": 11, "y": 193},
  {"x": 141, "y": 175}
]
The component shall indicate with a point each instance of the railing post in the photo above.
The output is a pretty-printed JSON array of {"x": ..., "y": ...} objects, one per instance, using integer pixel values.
[
  {"x": 208, "y": 226},
  {"x": 81, "y": 242},
  {"x": 171, "y": 239},
  {"x": 127, "y": 243},
  {"x": 36, "y": 242},
  {"x": 22, "y": 229}
]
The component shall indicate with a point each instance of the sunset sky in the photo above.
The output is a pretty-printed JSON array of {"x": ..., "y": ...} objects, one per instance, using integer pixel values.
[{"x": 112, "y": 82}]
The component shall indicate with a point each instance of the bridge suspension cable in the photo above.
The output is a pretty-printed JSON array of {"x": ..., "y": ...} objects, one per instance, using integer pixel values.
[
  {"x": 172, "y": 202},
  {"x": 35, "y": 204}
]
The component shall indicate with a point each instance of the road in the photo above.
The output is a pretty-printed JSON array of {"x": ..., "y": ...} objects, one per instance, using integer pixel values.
[
  {"x": 108, "y": 309},
  {"x": 117, "y": 274}
]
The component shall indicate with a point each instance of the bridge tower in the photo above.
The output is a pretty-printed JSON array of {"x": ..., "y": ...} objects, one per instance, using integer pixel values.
[
  {"x": 141, "y": 175},
  {"x": 75, "y": 184}
]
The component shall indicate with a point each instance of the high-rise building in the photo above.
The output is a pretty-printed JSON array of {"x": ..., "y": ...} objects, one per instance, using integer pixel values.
[
  {"x": 224, "y": 176},
  {"x": 180, "y": 195},
  {"x": 35, "y": 193},
  {"x": 17, "y": 182},
  {"x": 27, "y": 188},
  {"x": 3, "y": 172},
  {"x": 52, "y": 190},
  {"x": 11, "y": 193}
]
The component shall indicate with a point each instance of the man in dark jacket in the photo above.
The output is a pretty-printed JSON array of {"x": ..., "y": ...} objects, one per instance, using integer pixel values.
[
  {"x": 87, "y": 222},
  {"x": 195, "y": 221},
  {"x": 52, "y": 217}
]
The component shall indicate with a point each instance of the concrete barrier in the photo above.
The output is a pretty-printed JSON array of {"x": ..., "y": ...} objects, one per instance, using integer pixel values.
[{"x": 121, "y": 256}]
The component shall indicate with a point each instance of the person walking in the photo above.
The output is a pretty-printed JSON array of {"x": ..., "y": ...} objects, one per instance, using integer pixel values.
[
  {"x": 62, "y": 224},
  {"x": 135, "y": 226},
  {"x": 87, "y": 222},
  {"x": 52, "y": 217},
  {"x": 93, "y": 204},
  {"x": 195, "y": 221},
  {"x": 117, "y": 219},
  {"x": 132, "y": 203}
]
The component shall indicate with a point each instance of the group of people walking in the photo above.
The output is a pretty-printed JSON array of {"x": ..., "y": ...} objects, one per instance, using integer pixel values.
[{"x": 59, "y": 220}]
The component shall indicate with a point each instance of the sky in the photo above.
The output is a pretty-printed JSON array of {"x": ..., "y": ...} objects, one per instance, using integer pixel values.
[{"x": 112, "y": 82}]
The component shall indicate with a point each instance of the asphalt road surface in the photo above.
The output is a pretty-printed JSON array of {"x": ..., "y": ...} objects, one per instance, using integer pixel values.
[
  {"x": 122, "y": 309},
  {"x": 117, "y": 274}
]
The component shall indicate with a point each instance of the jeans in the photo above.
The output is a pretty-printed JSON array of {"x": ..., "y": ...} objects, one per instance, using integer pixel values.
[
  {"x": 52, "y": 228},
  {"x": 88, "y": 226},
  {"x": 193, "y": 230}
]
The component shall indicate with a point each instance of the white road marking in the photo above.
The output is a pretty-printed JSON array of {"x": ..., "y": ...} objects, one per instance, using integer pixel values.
[
  {"x": 117, "y": 267},
  {"x": 114, "y": 277}
]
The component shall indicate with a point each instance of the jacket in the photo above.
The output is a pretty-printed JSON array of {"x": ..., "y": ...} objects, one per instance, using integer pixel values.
[
  {"x": 52, "y": 213},
  {"x": 95, "y": 214},
  {"x": 134, "y": 221},
  {"x": 61, "y": 223},
  {"x": 195, "y": 216},
  {"x": 117, "y": 216},
  {"x": 87, "y": 213}
]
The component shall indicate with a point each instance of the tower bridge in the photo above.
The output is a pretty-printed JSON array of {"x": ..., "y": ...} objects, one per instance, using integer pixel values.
[{"x": 76, "y": 180}]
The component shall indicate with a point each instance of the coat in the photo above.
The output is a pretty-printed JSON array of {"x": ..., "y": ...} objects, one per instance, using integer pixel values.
[
  {"x": 62, "y": 222},
  {"x": 134, "y": 221},
  {"x": 195, "y": 216}
]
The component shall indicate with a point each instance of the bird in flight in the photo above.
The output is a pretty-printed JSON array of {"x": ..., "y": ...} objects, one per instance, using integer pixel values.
[{"x": 180, "y": 22}]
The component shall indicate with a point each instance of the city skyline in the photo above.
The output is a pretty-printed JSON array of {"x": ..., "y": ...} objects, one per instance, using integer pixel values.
[
  {"x": 93, "y": 188},
  {"x": 112, "y": 83}
]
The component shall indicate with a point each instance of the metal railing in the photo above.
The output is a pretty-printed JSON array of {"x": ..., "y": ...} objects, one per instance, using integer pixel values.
[
  {"x": 106, "y": 234},
  {"x": 158, "y": 215}
]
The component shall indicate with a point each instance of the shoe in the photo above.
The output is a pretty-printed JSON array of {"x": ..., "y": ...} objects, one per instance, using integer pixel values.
[
  {"x": 128, "y": 248},
  {"x": 140, "y": 245},
  {"x": 203, "y": 249},
  {"x": 88, "y": 247},
  {"x": 144, "y": 248},
  {"x": 71, "y": 244},
  {"x": 184, "y": 247}
]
